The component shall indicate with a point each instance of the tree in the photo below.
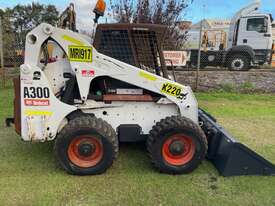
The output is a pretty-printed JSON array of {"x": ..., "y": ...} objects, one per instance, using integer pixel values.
[
  {"x": 2, "y": 13},
  {"x": 17, "y": 22},
  {"x": 50, "y": 15},
  {"x": 143, "y": 12},
  {"x": 8, "y": 36},
  {"x": 164, "y": 12},
  {"x": 123, "y": 10},
  {"x": 154, "y": 11},
  {"x": 26, "y": 17}
]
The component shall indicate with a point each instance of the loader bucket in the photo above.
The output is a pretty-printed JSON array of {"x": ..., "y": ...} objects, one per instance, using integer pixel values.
[{"x": 230, "y": 157}]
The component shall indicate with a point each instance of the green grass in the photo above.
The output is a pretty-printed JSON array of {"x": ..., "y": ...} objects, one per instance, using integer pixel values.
[{"x": 29, "y": 174}]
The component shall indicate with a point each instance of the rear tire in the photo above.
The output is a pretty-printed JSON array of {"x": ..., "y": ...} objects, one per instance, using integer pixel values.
[
  {"x": 86, "y": 146},
  {"x": 238, "y": 63},
  {"x": 176, "y": 145}
]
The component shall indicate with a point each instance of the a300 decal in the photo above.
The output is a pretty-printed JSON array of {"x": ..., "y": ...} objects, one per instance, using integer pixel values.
[
  {"x": 36, "y": 96},
  {"x": 36, "y": 93}
]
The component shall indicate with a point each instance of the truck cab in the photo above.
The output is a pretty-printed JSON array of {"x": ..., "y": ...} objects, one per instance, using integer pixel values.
[
  {"x": 250, "y": 38},
  {"x": 248, "y": 42},
  {"x": 253, "y": 35}
]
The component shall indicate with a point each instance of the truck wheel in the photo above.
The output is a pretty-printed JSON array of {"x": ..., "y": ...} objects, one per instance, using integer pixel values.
[
  {"x": 86, "y": 146},
  {"x": 176, "y": 145},
  {"x": 238, "y": 63}
]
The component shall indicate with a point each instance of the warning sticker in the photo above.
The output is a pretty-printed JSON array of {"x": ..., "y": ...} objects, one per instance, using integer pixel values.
[
  {"x": 81, "y": 53},
  {"x": 88, "y": 73}
]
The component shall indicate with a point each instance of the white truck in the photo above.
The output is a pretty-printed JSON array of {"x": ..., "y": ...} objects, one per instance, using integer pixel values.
[
  {"x": 273, "y": 31},
  {"x": 248, "y": 42}
]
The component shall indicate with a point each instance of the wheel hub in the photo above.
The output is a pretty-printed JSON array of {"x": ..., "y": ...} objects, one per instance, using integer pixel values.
[
  {"x": 237, "y": 64},
  {"x": 177, "y": 148},
  {"x": 86, "y": 149}
]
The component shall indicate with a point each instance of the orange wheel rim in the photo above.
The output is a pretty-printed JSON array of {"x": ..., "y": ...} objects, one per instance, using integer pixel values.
[
  {"x": 178, "y": 150},
  {"x": 85, "y": 151}
]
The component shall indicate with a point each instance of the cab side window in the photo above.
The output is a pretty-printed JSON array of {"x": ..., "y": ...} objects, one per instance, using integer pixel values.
[{"x": 257, "y": 24}]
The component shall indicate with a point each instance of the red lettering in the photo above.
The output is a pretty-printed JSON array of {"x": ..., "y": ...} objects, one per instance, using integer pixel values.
[{"x": 36, "y": 103}]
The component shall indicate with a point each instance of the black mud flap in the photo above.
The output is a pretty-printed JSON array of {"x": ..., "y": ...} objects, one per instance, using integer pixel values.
[{"x": 230, "y": 157}]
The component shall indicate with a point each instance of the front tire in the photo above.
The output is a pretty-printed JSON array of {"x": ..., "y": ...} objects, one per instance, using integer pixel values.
[
  {"x": 86, "y": 146},
  {"x": 176, "y": 145},
  {"x": 238, "y": 63}
]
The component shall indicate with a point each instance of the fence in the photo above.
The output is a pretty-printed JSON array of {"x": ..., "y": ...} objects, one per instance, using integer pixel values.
[
  {"x": 11, "y": 52},
  {"x": 139, "y": 45}
]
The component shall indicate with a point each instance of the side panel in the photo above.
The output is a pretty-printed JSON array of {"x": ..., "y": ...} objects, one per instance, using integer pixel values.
[
  {"x": 41, "y": 111},
  {"x": 144, "y": 114}
]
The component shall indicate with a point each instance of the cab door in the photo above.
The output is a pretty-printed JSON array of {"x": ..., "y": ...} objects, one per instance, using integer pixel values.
[{"x": 255, "y": 32}]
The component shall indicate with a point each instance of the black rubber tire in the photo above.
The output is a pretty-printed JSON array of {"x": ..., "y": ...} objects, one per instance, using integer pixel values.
[
  {"x": 170, "y": 126},
  {"x": 87, "y": 125},
  {"x": 244, "y": 59}
]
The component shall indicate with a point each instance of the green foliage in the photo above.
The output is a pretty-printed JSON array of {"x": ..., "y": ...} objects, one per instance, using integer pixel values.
[
  {"x": 1, "y": 13},
  {"x": 17, "y": 22},
  {"x": 246, "y": 88},
  {"x": 228, "y": 87},
  {"x": 25, "y": 17},
  {"x": 22, "y": 18},
  {"x": 8, "y": 84},
  {"x": 164, "y": 12}
]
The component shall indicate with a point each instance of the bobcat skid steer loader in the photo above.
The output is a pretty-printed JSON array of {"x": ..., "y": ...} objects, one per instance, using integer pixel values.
[{"x": 88, "y": 103}]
